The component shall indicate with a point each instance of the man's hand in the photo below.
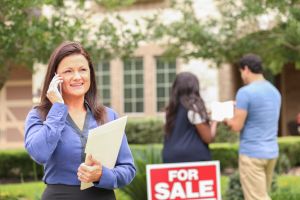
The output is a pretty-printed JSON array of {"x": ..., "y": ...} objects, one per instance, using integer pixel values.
[{"x": 237, "y": 122}]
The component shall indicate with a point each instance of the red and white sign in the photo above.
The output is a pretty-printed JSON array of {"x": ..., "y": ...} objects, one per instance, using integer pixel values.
[{"x": 188, "y": 181}]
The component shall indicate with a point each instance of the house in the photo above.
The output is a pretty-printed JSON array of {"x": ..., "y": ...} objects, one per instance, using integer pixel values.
[
  {"x": 139, "y": 86},
  {"x": 15, "y": 102}
]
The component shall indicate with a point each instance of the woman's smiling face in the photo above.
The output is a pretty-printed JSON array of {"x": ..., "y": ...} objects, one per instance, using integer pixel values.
[{"x": 75, "y": 71}]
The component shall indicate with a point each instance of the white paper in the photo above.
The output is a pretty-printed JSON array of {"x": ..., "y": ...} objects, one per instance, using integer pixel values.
[
  {"x": 104, "y": 143},
  {"x": 222, "y": 110}
]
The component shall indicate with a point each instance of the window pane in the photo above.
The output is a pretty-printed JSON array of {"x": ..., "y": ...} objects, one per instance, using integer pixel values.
[
  {"x": 105, "y": 93},
  {"x": 160, "y": 92},
  {"x": 127, "y": 65},
  {"x": 159, "y": 65},
  {"x": 172, "y": 65},
  {"x": 128, "y": 93},
  {"x": 165, "y": 75},
  {"x": 160, "y": 78},
  {"x": 105, "y": 80},
  {"x": 139, "y": 78},
  {"x": 172, "y": 77},
  {"x": 128, "y": 107},
  {"x": 139, "y": 64},
  {"x": 105, "y": 67},
  {"x": 127, "y": 79},
  {"x": 102, "y": 73},
  {"x": 133, "y": 85},
  {"x": 139, "y": 107},
  {"x": 139, "y": 93}
]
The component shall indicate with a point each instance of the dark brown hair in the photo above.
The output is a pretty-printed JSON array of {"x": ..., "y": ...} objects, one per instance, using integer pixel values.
[
  {"x": 253, "y": 62},
  {"x": 185, "y": 91},
  {"x": 63, "y": 50}
]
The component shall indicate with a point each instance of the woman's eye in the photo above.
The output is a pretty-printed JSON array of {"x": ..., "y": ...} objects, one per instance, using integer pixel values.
[
  {"x": 83, "y": 69},
  {"x": 67, "y": 71}
]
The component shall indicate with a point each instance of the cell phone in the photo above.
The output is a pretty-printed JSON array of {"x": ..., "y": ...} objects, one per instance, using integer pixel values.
[{"x": 59, "y": 86}]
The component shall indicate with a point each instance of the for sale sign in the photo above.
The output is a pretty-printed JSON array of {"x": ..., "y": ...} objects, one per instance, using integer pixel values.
[{"x": 188, "y": 181}]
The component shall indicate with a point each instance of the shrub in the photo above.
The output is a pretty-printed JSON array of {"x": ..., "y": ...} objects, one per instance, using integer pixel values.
[
  {"x": 224, "y": 134},
  {"x": 226, "y": 153},
  {"x": 18, "y": 164},
  {"x": 234, "y": 190},
  {"x": 283, "y": 164},
  {"x": 290, "y": 146},
  {"x": 137, "y": 189},
  {"x": 149, "y": 131},
  {"x": 144, "y": 131}
]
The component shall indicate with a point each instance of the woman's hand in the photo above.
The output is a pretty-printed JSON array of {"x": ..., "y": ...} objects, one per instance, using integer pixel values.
[
  {"x": 53, "y": 94},
  {"x": 90, "y": 171}
]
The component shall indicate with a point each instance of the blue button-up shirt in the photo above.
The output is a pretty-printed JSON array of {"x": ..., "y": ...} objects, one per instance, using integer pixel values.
[{"x": 59, "y": 145}]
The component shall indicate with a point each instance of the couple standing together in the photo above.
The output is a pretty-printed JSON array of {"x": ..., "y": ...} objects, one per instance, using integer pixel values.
[{"x": 256, "y": 115}]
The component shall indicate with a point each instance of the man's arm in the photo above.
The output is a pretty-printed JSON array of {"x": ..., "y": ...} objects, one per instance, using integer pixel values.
[{"x": 237, "y": 122}]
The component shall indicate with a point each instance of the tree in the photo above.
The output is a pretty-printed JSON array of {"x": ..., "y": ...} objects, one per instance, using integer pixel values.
[
  {"x": 277, "y": 41},
  {"x": 27, "y": 35},
  {"x": 239, "y": 28}
]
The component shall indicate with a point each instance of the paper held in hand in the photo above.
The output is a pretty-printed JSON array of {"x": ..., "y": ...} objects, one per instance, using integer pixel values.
[
  {"x": 104, "y": 144},
  {"x": 222, "y": 110}
]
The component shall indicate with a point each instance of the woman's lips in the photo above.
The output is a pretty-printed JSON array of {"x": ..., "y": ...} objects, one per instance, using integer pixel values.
[{"x": 76, "y": 85}]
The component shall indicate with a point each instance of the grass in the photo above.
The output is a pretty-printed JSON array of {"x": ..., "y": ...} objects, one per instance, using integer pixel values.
[
  {"x": 33, "y": 190},
  {"x": 224, "y": 183},
  {"x": 288, "y": 188},
  {"x": 292, "y": 183},
  {"x": 30, "y": 191}
]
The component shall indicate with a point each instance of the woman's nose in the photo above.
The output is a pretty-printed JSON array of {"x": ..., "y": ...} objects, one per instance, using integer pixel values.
[{"x": 76, "y": 75}]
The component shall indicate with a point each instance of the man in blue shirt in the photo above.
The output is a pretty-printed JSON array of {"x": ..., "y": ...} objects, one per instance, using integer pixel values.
[{"x": 256, "y": 118}]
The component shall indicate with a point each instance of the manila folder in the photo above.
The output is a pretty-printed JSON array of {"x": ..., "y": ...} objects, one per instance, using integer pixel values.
[{"x": 104, "y": 143}]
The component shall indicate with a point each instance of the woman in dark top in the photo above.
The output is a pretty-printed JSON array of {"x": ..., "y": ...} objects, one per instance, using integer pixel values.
[{"x": 187, "y": 130}]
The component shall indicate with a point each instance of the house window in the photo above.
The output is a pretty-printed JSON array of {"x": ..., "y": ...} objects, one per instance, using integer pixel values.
[
  {"x": 133, "y": 85},
  {"x": 103, "y": 81},
  {"x": 165, "y": 75}
]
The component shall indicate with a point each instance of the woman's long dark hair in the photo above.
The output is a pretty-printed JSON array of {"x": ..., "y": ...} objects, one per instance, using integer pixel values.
[
  {"x": 185, "y": 91},
  {"x": 63, "y": 50}
]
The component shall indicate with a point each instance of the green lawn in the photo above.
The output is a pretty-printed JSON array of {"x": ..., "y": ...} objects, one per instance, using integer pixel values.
[
  {"x": 292, "y": 182},
  {"x": 32, "y": 191}
]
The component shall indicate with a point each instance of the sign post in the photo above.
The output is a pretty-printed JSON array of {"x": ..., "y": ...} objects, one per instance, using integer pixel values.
[{"x": 188, "y": 181}]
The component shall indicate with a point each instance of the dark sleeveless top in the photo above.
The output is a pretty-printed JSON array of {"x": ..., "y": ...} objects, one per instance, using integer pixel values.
[{"x": 184, "y": 144}]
